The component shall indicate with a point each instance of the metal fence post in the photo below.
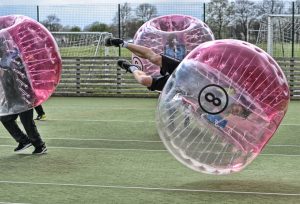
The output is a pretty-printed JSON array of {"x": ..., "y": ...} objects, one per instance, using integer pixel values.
[
  {"x": 119, "y": 76},
  {"x": 292, "y": 61},
  {"x": 37, "y": 13},
  {"x": 119, "y": 81},
  {"x": 291, "y": 78},
  {"x": 293, "y": 29},
  {"x": 78, "y": 76},
  {"x": 204, "y": 13},
  {"x": 119, "y": 18},
  {"x": 270, "y": 36}
]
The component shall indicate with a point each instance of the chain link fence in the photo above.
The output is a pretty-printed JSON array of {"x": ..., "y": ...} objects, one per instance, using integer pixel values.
[
  {"x": 80, "y": 30},
  {"x": 240, "y": 19}
]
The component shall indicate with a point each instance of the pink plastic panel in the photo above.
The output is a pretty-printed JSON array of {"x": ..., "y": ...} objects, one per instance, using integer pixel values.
[
  {"x": 30, "y": 65},
  {"x": 173, "y": 35},
  {"x": 221, "y": 106}
]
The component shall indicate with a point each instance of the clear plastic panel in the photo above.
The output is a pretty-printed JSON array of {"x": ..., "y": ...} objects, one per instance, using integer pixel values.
[
  {"x": 30, "y": 64},
  {"x": 172, "y": 35}
]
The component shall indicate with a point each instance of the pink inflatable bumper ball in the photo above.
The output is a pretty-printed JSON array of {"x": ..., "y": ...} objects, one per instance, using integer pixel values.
[
  {"x": 172, "y": 35},
  {"x": 221, "y": 106},
  {"x": 30, "y": 64}
]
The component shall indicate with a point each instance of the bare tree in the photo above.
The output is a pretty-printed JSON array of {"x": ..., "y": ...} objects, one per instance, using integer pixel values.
[
  {"x": 52, "y": 23},
  {"x": 297, "y": 7},
  {"x": 271, "y": 7},
  {"x": 218, "y": 16},
  {"x": 133, "y": 26},
  {"x": 126, "y": 17},
  {"x": 244, "y": 15},
  {"x": 145, "y": 12}
]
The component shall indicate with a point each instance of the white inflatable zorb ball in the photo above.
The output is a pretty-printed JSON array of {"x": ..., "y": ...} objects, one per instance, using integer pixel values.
[
  {"x": 172, "y": 35},
  {"x": 221, "y": 106}
]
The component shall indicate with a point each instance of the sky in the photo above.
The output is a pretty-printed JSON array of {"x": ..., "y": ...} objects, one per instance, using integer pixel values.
[
  {"x": 84, "y": 12},
  {"x": 61, "y": 2}
]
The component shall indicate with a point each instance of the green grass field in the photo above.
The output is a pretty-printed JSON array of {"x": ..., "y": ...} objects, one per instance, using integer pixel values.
[
  {"x": 107, "y": 150},
  {"x": 279, "y": 50},
  {"x": 90, "y": 51}
]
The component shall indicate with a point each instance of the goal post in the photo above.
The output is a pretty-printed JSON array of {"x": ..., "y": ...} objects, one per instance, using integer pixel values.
[
  {"x": 82, "y": 44},
  {"x": 280, "y": 34}
]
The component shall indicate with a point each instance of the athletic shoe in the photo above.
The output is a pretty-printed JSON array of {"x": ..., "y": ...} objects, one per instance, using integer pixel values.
[
  {"x": 113, "y": 42},
  {"x": 124, "y": 64},
  {"x": 41, "y": 117},
  {"x": 22, "y": 146},
  {"x": 40, "y": 150}
]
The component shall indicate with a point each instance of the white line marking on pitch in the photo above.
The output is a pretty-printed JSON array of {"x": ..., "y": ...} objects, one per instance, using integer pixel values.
[
  {"x": 95, "y": 148},
  {"x": 110, "y": 108},
  {"x": 97, "y": 139},
  {"x": 144, "y": 150},
  {"x": 133, "y": 121},
  {"x": 12, "y": 203},
  {"x": 279, "y": 145},
  {"x": 142, "y": 141},
  {"x": 88, "y": 120},
  {"x": 152, "y": 188}
]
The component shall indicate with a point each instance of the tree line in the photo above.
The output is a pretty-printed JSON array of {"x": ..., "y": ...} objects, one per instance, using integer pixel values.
[
  {"x": 130, "y": 21},
  {"x": 235, "y": 18},
  {"x": 227, "y": 19}
]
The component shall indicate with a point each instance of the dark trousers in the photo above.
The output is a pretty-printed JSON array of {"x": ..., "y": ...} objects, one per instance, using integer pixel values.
[
  {"x": 26, "y": 118},
  {"x": 39, "y": 110}
]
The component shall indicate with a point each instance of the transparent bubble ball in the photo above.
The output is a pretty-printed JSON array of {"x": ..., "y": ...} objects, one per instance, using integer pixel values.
[
  {"x": 30, "y": 64},
  {"x": 172, "y": 35},
  {"x": 221, "y": 106}
]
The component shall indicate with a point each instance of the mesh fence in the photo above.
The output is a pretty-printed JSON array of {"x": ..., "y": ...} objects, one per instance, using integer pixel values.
[
  {"x": 239, "y": 19},
  {"x": 83, "y": 44}
]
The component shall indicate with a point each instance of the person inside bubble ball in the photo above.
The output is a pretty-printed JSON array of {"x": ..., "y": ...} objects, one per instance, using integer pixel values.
[
  {"x": 239, "y": 110},
  {"x": 153, "y": 83},
  {"x": 11, "y": 67},
  {"x": 33, "y": 136},
  {"x": 220, "y": 120},
  {"x": 165, "y": 24},
  {"x": 174, "y": 48}
]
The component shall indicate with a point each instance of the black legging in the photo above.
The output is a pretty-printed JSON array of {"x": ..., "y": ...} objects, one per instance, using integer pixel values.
[
  {"x": 39, "y": 109},
  {"x": 26, "y": 118}
]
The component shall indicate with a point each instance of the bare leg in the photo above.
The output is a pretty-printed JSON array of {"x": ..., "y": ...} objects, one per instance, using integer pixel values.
[
  {"x": 146, "y": 53},
  {"x": 142, "y": 78},
  {"x": 138, "y": 50}
]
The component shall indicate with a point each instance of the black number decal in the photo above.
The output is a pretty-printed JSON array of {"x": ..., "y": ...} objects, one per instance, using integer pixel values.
[{"x": 211, "y": 98}]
